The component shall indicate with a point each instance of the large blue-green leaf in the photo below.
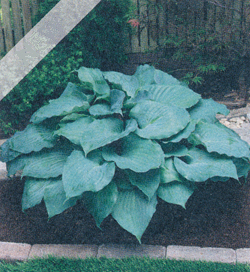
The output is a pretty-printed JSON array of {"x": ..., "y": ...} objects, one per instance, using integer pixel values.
[
  {"x": 74, "y": 131},
  {"x": 75, "y": 90},
  {"x": 95, "y": 78},
  {"x": 168, "y": 172},
  {"x": 60, "y": 107},
  {"x": 55, "y": 199},
  {"x": 176, "y": 192},
  {"x": 6, "y": 153},
  {"x": 135, "y": 153},
  {"x": 163, "y": 78},
  {"x": 33, "y": 138},
  {"x": 105, "y": 131},
  {"x": 147, "y": 182},
  {"x": 100, "y": 110},
  {"x": 101, "y": 204},
  {"x": 33, "y": 191},
  {"x": 220, "y": 139},
  {"x": 81, "y": 174},
  {"x": 127, "y": 83},
  {"x": 73, "y": 117},
  {"x": 17, "y": 164},
  {"x": 158, "y": 121},
  {"x": 200, "y": 165},
  {"x": 206, "y": 109},
  {"x": 185, "y": 133},
  {"x": 116, "y": 100},
  {"x": 140, "y": 97},
  {"x": 145, "y": 75},
  {"x": 48, "y": 163},
  {"x": 115, "y": 106},
  {"x": 176, "y": 95},
  {"x": 133, "y": 211}
]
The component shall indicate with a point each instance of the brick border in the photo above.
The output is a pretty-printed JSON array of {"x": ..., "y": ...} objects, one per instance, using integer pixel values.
[{"x": 12, "y": 252}]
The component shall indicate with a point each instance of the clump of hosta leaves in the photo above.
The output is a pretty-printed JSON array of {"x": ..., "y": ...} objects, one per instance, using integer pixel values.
[{"x": 118, "y": 143}]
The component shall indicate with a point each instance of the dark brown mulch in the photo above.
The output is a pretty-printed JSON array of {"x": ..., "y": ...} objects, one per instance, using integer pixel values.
[{"x": 217, "y": 215}]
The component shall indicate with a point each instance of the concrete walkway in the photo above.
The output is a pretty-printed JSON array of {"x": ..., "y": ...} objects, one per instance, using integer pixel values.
[{"x": 22, "y": 252}]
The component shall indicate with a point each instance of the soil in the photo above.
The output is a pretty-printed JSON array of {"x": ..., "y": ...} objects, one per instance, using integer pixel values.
[{"x": 216, "y": 215}]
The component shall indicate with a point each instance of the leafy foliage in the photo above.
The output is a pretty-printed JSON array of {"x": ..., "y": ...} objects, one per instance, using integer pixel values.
[
  {"x": 119, "y": 142},
  {"x": 99, "y": 40}
]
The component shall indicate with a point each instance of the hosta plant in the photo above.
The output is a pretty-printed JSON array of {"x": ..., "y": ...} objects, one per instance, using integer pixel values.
[{"x": 118, "y": 143}]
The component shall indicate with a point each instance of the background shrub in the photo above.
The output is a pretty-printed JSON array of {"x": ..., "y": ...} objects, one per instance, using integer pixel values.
[{"x": 99, "y": 40}]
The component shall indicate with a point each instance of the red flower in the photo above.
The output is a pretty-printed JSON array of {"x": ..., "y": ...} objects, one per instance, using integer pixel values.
[{"x": 134, "y": 22}]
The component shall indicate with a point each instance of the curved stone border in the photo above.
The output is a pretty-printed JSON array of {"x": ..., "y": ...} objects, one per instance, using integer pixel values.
[{"x": 12, "y": 252}]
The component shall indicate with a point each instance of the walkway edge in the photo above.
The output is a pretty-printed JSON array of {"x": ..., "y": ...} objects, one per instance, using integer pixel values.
[{"x": 12, "y": 252}]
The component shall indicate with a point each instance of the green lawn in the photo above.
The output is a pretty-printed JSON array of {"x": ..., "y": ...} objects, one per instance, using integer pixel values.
[{"x": 117, "y": 265}]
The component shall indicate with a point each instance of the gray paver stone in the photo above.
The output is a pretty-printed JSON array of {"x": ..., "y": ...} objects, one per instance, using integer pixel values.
[
  {"x": 243, "y": 255},
  {"x": 123, "y": 251},
  {"x": 14, "y": 251},
  {"x": 213, "y": 254},
  {"x": 3, "y": 171},
  {"x": 70, "y": 251}
]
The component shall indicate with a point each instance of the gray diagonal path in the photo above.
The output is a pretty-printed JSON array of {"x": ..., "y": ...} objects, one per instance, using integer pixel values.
[{"x": 40, "y": 40}]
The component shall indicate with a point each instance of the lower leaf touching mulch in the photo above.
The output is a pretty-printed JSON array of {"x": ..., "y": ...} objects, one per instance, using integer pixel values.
[{"x": 216, "y": 215}]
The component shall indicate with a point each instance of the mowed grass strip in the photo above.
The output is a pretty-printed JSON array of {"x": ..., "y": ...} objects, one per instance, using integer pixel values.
[{"x": 109, "y": 265}]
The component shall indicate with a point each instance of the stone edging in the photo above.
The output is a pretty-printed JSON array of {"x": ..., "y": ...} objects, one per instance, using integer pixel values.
[{"x": 11, "y": 252}]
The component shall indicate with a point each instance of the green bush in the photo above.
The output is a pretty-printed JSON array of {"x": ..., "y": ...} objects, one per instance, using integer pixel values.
[
  {"x": 119, "y": 142},
  {"x": 99, "y": 40}
]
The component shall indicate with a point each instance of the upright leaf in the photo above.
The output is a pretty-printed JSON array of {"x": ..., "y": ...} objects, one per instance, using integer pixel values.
[
  {"x": 116, "y": 100},
  {"x": 145, "y": 75},
  {"x": 81, "y": 174},
  {"x": 158, "y": 121},
  {"x": 127, "y": 83},
  {"x": 95, "y": 78},
  {"x": 133, "y": 211}
]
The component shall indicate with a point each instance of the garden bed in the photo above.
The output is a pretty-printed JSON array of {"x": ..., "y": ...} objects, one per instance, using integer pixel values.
[{"x": 216, "y": 216}]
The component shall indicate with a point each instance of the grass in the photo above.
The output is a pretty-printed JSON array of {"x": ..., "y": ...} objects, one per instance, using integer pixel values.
[{"x": 118, "y": 265}]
